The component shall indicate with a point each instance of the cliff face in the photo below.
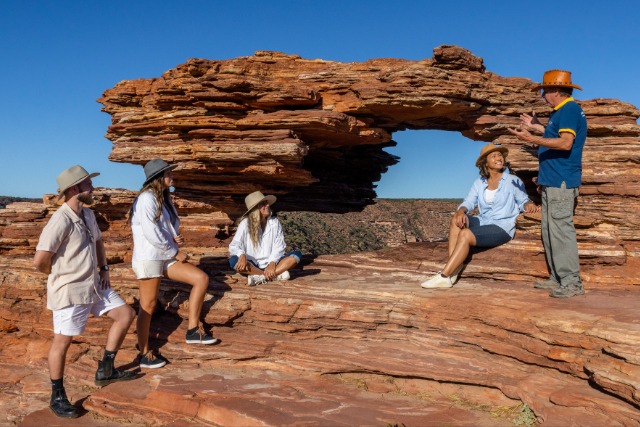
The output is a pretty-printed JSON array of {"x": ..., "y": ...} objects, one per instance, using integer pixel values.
[
  {"x": 352, "y": 339},
  {"x": 313, "y": 132}
]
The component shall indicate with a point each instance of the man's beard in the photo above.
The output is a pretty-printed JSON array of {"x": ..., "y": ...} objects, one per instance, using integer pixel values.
[{"x": 86, "y": 198}]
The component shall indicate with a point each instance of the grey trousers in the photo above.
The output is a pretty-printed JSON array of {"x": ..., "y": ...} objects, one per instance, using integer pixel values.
[{"x": 559, "y": 234}]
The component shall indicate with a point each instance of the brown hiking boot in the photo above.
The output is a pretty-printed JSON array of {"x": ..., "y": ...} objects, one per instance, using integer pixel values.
[{"x": 567, "y": 291}]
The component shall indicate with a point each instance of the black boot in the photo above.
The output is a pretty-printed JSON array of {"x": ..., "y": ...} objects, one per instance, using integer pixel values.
[
  {"x": 107, "y": 374},
  {"x": 61, "y": 406}
]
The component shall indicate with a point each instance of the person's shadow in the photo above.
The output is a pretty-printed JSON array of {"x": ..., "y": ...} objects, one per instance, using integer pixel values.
[{"x": 302, "y": 269}]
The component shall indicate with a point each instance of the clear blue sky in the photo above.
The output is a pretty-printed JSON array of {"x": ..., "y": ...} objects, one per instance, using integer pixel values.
[{"x": 59, "y": 56}]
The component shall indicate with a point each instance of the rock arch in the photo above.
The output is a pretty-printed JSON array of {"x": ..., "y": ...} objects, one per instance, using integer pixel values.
[{"x": 313, "y": 132}]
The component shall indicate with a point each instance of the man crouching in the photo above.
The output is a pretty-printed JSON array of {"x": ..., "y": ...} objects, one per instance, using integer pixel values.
[{"x": 69, "y": 250}]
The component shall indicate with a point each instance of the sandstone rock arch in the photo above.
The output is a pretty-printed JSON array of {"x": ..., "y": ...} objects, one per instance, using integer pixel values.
[
  {"x": 313, "y": 132},
  {"x": 280, "y": 121}
]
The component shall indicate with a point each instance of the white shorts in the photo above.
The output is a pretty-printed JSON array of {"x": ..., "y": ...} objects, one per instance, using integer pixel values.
[
  {"x": 149, "y": 269},
  {"x": 72, "y": 320}
]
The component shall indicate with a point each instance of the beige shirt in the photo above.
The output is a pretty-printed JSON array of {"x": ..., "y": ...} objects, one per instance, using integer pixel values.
[{"x": 74, "y": 278}]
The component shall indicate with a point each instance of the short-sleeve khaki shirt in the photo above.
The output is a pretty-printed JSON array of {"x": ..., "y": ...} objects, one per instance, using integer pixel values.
[{"x": 73, "y": 278}]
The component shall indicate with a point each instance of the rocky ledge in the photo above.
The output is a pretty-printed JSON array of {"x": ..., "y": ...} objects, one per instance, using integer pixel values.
[{"x": 351, "y": 340}]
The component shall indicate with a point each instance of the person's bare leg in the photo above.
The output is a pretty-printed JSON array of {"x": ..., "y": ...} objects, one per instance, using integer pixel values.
[
  {"x": 454, "y": 232},
  {"x": 148, "y": 299},
  {"x": 58, "y": 355},
  {"x": 198, "y": 279},
  {"x": 122, "y": 317},
  {"x": 465, "y": 241},
  {"x": 286, "y": 264},
  {"x": 251, "y": 270}
]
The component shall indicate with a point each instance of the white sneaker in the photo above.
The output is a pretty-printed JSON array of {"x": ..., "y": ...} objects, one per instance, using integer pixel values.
[
  {"x": 456, "y": 273},
  {"x": 437, "y": 281},
  {"x": 284, "y": 276},
  {"x": 256, "y": 279}
]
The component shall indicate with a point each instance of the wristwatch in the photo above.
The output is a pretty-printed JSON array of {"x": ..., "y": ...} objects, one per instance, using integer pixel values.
[{"x": 104, "y": 268}]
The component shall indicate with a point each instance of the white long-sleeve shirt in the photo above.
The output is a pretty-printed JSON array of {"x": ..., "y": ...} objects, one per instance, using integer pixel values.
[
  {"x": 152, "y": 240},
  {"x": 271, "y": 246}
]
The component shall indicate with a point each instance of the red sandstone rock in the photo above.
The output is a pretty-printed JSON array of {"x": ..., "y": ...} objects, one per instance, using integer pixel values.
[{"x": 352, "y": 339}]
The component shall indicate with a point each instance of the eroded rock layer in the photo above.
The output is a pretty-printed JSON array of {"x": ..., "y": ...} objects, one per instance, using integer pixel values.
[
  {"x": 352, "y": 340},
  {"x": 313, "y": 132}
]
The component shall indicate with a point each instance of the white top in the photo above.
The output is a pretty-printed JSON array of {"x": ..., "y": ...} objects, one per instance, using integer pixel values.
[
  {"x": 152, "y": 240},
  {"x": 489, "y": 195},
  {"x": 271, "y": 246}
]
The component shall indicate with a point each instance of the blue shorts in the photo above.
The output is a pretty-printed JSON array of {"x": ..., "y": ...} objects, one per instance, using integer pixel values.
[
  {"x": 487, "y": 236},
  {"x": 296, "y": 254}
]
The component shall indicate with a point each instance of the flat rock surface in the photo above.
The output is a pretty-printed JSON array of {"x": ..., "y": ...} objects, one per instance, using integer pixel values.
[{"x": 352, "y": 340}]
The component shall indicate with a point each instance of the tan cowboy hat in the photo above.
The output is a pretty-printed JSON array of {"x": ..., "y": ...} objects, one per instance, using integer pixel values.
[
  {"x": 72, "y": 176},
  {"x": 255, "y": 198},
  {"x": 488, "y": 149},
  {"x": 155, "y": 167},
  {"x": 556, "y": 78}
]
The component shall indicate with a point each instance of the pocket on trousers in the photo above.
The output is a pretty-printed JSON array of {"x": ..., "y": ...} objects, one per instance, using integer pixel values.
[{"x": 562, "y": 208}]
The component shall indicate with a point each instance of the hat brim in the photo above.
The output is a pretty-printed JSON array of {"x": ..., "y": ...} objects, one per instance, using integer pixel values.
[
  {"x": 270, "y": 199},
  {"x": 61, "y": 191},
  {"x": 542, "y": 86},
  {"x": 158, "y": 172},
  {"x": 503, "y": 150}
]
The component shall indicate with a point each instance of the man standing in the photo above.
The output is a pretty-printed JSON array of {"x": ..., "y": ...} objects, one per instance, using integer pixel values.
[
  {"x": 70, "y": 250},
  {"x": 560, "y": 175}
]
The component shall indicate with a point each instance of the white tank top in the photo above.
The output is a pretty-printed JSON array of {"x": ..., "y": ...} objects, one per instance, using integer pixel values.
[{"x": 489, "y": 195}]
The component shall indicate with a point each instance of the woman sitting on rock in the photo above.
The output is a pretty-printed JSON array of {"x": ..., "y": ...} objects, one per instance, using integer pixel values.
[
  {"x": 257, "y": 249},
  {"x": 500, "y": 197},
  {"x": 154, "y": 225}
]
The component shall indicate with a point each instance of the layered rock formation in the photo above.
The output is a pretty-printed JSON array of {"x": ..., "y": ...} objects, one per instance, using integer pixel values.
[
  {"x": 353, "y": 339},
  {"x": 313, "y": 132}
]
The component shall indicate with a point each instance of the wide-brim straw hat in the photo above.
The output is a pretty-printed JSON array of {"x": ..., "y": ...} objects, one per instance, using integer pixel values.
[
  {"x": 72, "y": 176},
  {"x": 155, "y": 167},
  {"x": 255, "y": 198},
  {"x": 556, "y": 78},
  {"x": 490, "y": 148}
]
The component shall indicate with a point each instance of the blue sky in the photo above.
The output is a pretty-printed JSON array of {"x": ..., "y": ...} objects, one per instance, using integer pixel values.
[{"x": 58, "y": 57}]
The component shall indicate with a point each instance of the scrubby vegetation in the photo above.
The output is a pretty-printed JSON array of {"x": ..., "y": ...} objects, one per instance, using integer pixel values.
[
  {"x": 5, "y": 200},
  {"x": 388, "y": 222}
]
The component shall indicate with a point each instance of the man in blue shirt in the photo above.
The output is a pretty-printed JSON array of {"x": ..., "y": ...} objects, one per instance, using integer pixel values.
[{"x": 560, "y": 175}]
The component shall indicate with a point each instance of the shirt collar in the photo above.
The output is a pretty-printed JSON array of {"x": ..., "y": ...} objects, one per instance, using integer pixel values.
[
  {"x": 559, "y": 106},
  {"x": 502, "y": 178},
  {"x": 70, "y": 213}
]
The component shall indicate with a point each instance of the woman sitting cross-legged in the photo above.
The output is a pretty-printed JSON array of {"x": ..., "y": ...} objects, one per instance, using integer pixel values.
[
  {"x": 500, "y": 197},
  {"x": 258, "y": 248}
]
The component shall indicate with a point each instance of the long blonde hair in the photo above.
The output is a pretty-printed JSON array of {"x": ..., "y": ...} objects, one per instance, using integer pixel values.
[
  {"x": 255, "y": 231},
  {"x": 162, "y": 196}
]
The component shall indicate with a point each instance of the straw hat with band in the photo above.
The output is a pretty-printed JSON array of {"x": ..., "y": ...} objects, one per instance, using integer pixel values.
[
  {"x": 488, "y": 149},
  {"x": 155, "y": 167},
  {"x": 72, "y": 176},
  {"x": 254, "y": 199},
  {"x": 556, "y": 78}
]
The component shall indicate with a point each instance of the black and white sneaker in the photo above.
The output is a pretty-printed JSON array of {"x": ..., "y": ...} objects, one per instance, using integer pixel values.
[
  {"x": 151, "y": 361},
  {"x": 199, "y": 336}
]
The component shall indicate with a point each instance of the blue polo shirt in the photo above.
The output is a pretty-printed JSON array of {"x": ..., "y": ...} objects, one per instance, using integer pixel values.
[{"x": 557, "y": 166}]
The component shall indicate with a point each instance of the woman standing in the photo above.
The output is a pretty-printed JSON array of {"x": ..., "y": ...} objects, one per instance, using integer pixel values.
[
  {"x": 156, "y": 254},
  {"x": 500, "y": 197},
  {"x": 257, "y": 249}
]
